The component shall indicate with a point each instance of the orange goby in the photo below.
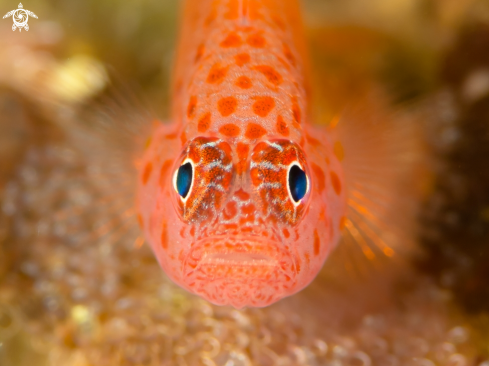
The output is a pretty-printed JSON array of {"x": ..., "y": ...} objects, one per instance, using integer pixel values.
[{"x": 241, "y": 198}]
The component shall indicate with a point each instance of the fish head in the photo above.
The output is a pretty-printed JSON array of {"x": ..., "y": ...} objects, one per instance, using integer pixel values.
[{"x": 240, "y": 229}]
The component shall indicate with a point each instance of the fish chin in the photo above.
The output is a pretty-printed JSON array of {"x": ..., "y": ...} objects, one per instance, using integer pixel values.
[{"x": 229, "y": 271}]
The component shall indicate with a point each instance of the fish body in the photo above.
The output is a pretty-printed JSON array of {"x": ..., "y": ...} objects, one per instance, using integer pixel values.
[{"x": 241, "y": 197}]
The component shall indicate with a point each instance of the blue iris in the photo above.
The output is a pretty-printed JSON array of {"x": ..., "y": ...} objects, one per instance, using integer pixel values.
[
  {"x": 184, "y": 179},
  {"x": 297, "y": 183}
]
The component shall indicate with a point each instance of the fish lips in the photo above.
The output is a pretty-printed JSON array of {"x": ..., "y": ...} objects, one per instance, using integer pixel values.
[{"x": 240, "y": 271}]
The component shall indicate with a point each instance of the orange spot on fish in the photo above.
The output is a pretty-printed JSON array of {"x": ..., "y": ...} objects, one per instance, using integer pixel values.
[
  {"x": 298, "y": 264},
  {"x": 312, "y": 140},
  {"x": 191, "y": 106},
  {"x": 282, "y": 127},
  {"x": 334, "y": 122},
  {"x": 283, "y": 62},
  {"x": 255, "y": 177},
  {"x": 211, "y": 17},
  {"x": 148, "y": 143},
  {"x": 246, "y": 220},
  {"x": 288, "y": 54},
  {"x": 248, "y": 209},
  {"x": 229, "y": 130},
  {"x": 256, "y": 40},
  {"x": 147, "y": 172},
  {"x": 171, "y": 136},
  {"x": 244, "y": 8},
  {"x": 140, "y": 221},
  {"x": 244, "y": 82},
  {"x": 335, "y": 181},
  {"x": 242, "y": 195},
  {"x": 242, "y": 58},
  {"x": 242, "y": 150},
  {"x": 200, "y": 52},
  {"x": 388, "y": 251},
  {"x": 204, "y": 122},
  {"x": 183, "y": 138},
  {"x": 164, "y": 236},
  {"x": 232, "y": 40},
  {"x": 217, "y": 74},
  {"x": 320, "y": 178},
  {"x": 317, "y": 243},
  {"x": 254, "y": 131},
  {"x": 230, "y": 211},
  {"x": 286, "y": 232},
  {"x": 331, "y": 228},
  {"x": 164, "y": 170},
  {"x": 342, "y": 222},
  {"x": 227, "y": 106},
  {"x": 270, "y": 73},
  {"x": 338, "y": 150},
  {"x": 263, "y": 106},
  {"x": 296, "y": 112}
]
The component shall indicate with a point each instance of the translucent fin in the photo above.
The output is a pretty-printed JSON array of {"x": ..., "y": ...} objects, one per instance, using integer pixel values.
[
  {"x": 106, "y": 128},
  {"x": 382, "y": 157},
  {"x": 381, "y": 153},
  {"x": 111, "y": 132}
]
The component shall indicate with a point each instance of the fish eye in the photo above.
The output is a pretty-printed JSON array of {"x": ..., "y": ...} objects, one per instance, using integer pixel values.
[
  {"x": 183, "y": 179},
  {"x": 298, "y": 183}
]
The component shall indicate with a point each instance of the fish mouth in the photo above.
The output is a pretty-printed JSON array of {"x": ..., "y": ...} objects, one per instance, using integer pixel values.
[
  {"x": 239, "y": 272},
  {"x": 230, "y": 251},
  {"x": 238, "y": 259}
]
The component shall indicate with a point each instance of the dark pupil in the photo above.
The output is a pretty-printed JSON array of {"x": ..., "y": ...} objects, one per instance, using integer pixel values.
[
  {"x": 297, "y": 183},
  {"x": 184, "y": 179}
]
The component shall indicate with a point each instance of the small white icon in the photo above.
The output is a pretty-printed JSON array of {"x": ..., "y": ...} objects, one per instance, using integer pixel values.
[{"x": 20, "y": 16}]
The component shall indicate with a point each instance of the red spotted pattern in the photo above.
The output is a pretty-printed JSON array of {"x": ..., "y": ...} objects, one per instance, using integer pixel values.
[
  {"x": 239, "y": 111},
  {"x": 212, "y": 161},
  {"x": 269, "y": 176}
]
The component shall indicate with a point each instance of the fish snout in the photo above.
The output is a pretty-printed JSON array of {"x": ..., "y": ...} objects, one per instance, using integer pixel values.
[{"x": 240, "y": 271}]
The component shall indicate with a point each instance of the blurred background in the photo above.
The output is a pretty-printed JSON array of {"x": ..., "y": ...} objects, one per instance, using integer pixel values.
[{"x": 67, "y": 298}]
